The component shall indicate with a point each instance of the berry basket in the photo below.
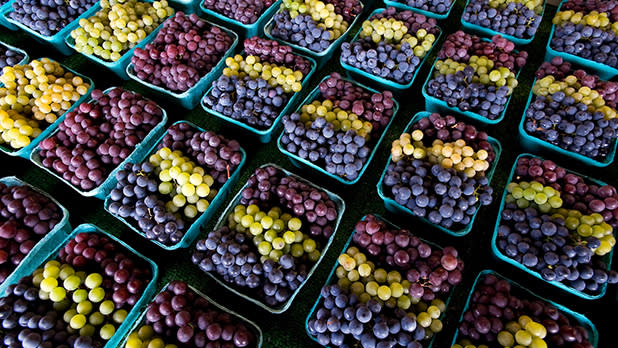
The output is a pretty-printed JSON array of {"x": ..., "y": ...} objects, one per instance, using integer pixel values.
[
  {"x": 50, "y": 252},
  {"x": 480, "y": 30},
  {"x": 580, "y": 319},
  {"x": 401, "y": 5},
  {"x": 434, "y": 104},
  {"x": 204, "y": 218},
  {"x": 190, "y": 98},
  {"x": 305, "y": 163},
  {"x": 320, "y": 57},
  {"x": 57, "y": 40},
  {"x": 384, "y": 83},
  {"x": 230, "y": 210},
  {"x": 54, "y": 237},
  {"x": 255, "y": 329},
  {"x": 535, "y": 144},
  {"x": 501, "y": 256},
  {"x": 394, "y": 207},
  {"x": 332, "y": 280},
  {"x": 3, "y": 10},
  {"x": 264, "y": 135},
  {"x": 244, "y": 30},
  {"x": 605, "y": 72},
  {"x": 25, "y": 152},
  {"x": 119, "y": 67},
  {"x": 102, "y": 191},
  {"x": 17, "y": 49}
]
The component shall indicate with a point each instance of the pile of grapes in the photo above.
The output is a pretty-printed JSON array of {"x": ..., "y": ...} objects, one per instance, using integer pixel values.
[
  {"x": 503, "y": 315},
  {"x": 390, "y": 290},
  {"x": 9, "y": 57},
  {"x": 476, "y": 75},
  {"x": 244, "y": 11},
  {"x": 48, "y": 17},
  {"x": 518, "y": 18},
  {"x": 573, "y": 110},
  {"x": 26, "y": 216},
  {"x": 27, "y": 106},
  {"x": 163, "y": 195},
  {"x": 118, "y": 27},
  {"x": 559, "y": 225},
  {"x": 184, "y": 50},
  {"x": 272, "y": 237},
  {"x": 440, "y": 7},
  {"x": 196, "y": 323},
  {"x": 98, "y": 135},
  {"x": 314, "y": 24},
  {"x": 256, "y": 87},
  {"x": 588, "y": 29},
  {"x": 338, "y": 130},
  {"x": 79, "y": 299},
  {"x": 392, "y": 44},
  {"x": 438, "y": 171}
]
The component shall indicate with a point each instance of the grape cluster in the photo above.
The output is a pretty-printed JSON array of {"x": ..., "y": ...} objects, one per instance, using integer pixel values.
[
  {"x": 9, "y": 57},
  {"x": 475, "y": 75},
  {"x": 560, "y": 239},
  {"x": 33, "y": 97},
  {"x": 314, "y": 24},
  {"x": 166, "y": 193},
  {"x": 570, "y": 110},
  {"x": 48, "y": 17},
  {"x": 501, "y": 314},
  {"x": 196, "y": 322},
  {"x": 587, "y": 29},
  {"x": 118, "y": 27},
  {"x": 389, "y": 291},
  {"x": 77, "y": 300},
  {"x": 272, "y": 237},
  {"x": 339, "y": 128},
  {"x": 26, "y": 216},
  {"x": 516, "y": 18},
  {"x": 254, "y": 89},
  {"x": 435, "y": 6},
  {"x": 444, "y": 183},
  {"x": 98, "y": 135},
  {"x": 184, "y": 50},
  {"x": 244, "y": 11},
  {"x": 392, "y": 44}
]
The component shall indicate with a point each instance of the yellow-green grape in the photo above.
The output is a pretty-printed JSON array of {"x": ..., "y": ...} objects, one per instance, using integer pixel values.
[
  {"x": 459, "y": 156},
  {"x": 34, "y": 96},
  {"x": 275, "y": 75},
  {"x": 525, "y": 194},
  {"x": 484, "y": 72},
  {"x": 119, "y": 26},
  {"x": 409, "y": 145},
  {"x": 323, "y": 13},
  {"x": 341, "y": 119},
  {"x": 591, "y": 19}
]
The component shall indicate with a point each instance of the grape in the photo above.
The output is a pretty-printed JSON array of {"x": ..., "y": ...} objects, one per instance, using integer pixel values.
[
  {"x": 48, "y": 17},
  {"x": 516, "y": 18},
  {"x": 9, "y": 57},
  {"x": 435, "y": 6},
  {"x": 246, "y": 12}
]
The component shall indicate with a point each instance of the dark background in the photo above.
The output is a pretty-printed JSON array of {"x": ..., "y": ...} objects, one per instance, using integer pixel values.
[{"x": 287, "y": 329}]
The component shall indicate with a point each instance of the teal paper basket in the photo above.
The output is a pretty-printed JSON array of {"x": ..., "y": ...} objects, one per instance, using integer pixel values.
[
  {"x": 190, "y": 98},
  {"x": 480, "y": 30},
  {"x": 17, "y": 49},
  {"x": 51, "y": 252},
  {"x": 320, "y": 57},
  {"x": 604, "y": 71},
  {"x": 56, "y": 40},
  {"x": 244, "y": 30},
  {"x": 265, "y": 135},
  {"x": 580, "y": 319},
  {"x": 230, "y": 210},
  {"x": 119, "y": 67},
  {"x": 500, "y": 255},
  {"x": 26, "y": 151},
  {"x": 434, "y": 104},
  {"x": 391, "y": 205},
  {"x": 401, "y": 5},
  {"x": 533, "y": 143},
  {"x": 8, "y": 6},
  {"x": 306, "y": 163},
  {"x": 194, "y": 229},
  {"x": 54, "y": 237},
  {"x": 332, "y": 280},
  {"x": 381, "y": 82},
  {"x": 101, "y": 191},
  {"x": 253, "y": 327}
]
